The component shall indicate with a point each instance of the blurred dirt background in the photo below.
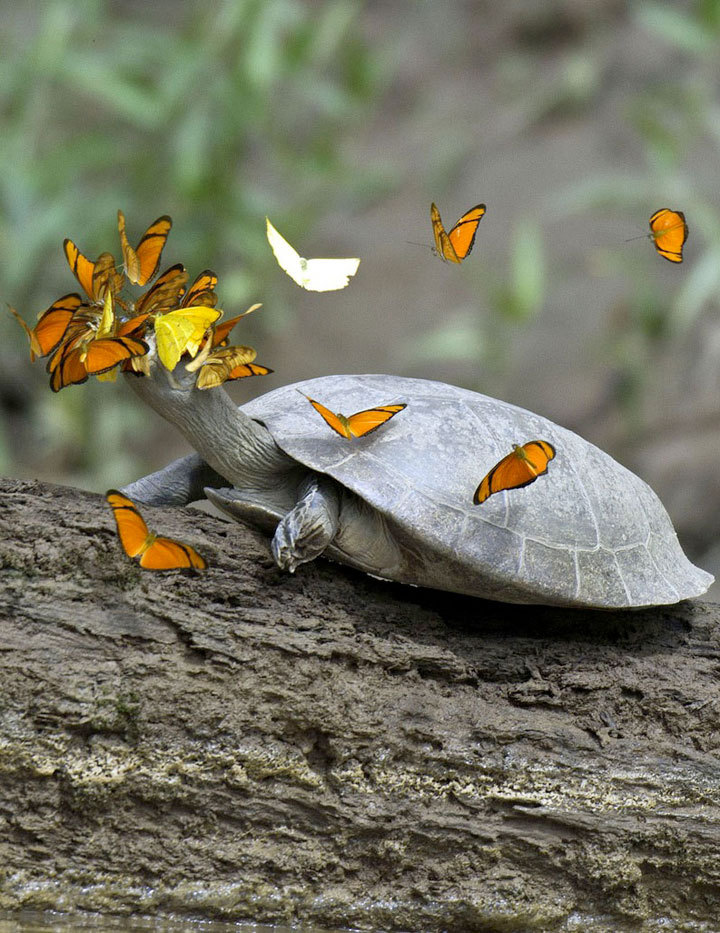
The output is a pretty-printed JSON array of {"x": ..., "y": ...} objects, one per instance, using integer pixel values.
[{"x": 341, "y": 121}]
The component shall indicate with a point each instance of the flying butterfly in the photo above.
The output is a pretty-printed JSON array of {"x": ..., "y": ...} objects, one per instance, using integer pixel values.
[
  {"x": 668, "y": 231},
  {"x": 181, "y": 331},
  {"x": 95, "y": 277},
  {"x": 519, "y": 468},
  {"x": 314, "y": 275},
  {"x": 153, "y": 551},
  {"x": 142, "y": 263},
  {"x": 359, "y": 424},
  {"x": 458, "y": 243}
]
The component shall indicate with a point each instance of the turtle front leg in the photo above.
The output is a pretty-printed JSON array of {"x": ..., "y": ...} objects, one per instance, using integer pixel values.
[
  {"x": 309, "y": 527},
  {"x": 180, "y": 482}
]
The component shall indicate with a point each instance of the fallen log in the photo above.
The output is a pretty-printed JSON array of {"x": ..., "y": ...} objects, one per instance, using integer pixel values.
[{"x": 325, "y": 748}]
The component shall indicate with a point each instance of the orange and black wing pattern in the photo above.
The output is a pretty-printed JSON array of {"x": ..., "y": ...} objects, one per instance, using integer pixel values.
[
  {"x": 53, "y": 323},
  {"x": 142, "y": 263},
  {"x": 153, "y": 552},
  {"x": 227, "y": 364},
  {"x": 519, "y": 468},
  {"x": 77, "y": 361},
  {"x": 165, "y": 293},
  {"x": 202, "y": 291},
  {"x": 669, "y": 231},
  {"x": 357, "y": 425},
  {"x": 458, "y": 243},
  {"x": 94, "y": 277}
]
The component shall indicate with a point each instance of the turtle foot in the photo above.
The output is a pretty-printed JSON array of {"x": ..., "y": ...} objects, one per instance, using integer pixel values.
[{"x": 308, "y": 528}]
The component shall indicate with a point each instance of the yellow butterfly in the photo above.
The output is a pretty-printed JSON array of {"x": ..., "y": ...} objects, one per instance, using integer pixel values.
[
  {"x": 315, "y": 275},
  {"x": 181, "y": 331}
]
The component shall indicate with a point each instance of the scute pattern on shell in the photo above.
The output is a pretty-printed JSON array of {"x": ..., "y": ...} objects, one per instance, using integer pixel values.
[{"x": 588, "y": 533}]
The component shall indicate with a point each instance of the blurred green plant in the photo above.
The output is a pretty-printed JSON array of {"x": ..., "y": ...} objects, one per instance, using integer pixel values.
[{"x": 214, "y": 113}]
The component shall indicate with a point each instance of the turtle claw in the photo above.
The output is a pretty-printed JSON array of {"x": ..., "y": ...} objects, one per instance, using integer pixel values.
[{"x": 306, "y": 530}]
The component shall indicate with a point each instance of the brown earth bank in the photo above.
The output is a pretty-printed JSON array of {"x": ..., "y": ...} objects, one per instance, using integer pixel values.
[{"x": 325, "y": 748}]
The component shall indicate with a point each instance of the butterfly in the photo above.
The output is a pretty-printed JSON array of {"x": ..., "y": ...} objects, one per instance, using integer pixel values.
[
  {"x": 458, "y": 243},
  {"x": 78, "y": 360},
  {"x": 154, "y": 552},
  {"x": 229, "y": 363},
  {"x": 53, "y": 323},
  {"x": 519, "y": 468},
  {"x": 315, "y": 275},
  {"x": 669, "y": 232},
  {"x": 221, "y": 332},
  {"x": 142, "y": 263},
  {"x": 359, "y": 424},
  {"x": 202, "y": 291},
  {"x": 165, "y": 292},
  {"x": 95, "y": 277},
  {"x": 181, "y": 331}
]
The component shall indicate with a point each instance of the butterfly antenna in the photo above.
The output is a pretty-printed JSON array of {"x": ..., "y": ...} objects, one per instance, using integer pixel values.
[{"x": 413, "y": 243}]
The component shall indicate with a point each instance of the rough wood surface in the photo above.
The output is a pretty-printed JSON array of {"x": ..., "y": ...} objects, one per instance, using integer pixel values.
[{"x": 242, "y": 744}]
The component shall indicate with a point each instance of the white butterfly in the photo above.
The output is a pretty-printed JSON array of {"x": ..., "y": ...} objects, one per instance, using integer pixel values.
[{"x": 315, "y": 275}]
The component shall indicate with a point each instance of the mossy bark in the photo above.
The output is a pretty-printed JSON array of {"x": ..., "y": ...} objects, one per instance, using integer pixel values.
[{"x": 327, "y": 748}]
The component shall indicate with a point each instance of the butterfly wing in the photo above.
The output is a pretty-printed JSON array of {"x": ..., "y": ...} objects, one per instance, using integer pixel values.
[
  {"x": 142, "y": 263},
  {"x": 462, "y": 235},
  {"x": 202, "y": 291},
  {"x": 165, "y": 294},
  {"x": 369, "y": 420},
  {"x": 669, "y": 231},
  {"x": 131, "y": 528},
  {"x": 218, "y": 366},
  {"x": 222, "y": 331},
  {"x": 105, "y": 353},
  {"x": 34, "y": 345},
  {"x": 337, "y": 422},
  {"x": 517, "y": 469},
  {"x": 443, "y": 247},
  {"x": 182, "y": 331},
  {"x": 81, "y": 266},
  {"x": 69, "y": 370},
  {"x": 168, "y": 554},
  {"x": 53, "y": 323},
  {"x": 315, "y": 275},
  {"x": 328, "y": 275}
]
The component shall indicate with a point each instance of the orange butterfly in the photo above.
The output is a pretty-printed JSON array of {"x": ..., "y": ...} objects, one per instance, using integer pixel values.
[
  {"x": 95, "y": 277},
  {"x": 229, "y": 363},
  {"x": 669, "y": 232},
  {"x": 202, "y": 292},
  {"x": 519, "y": 468},
  {"x": 78, "y": 359},
  {"x": 221, "y": 332},
  {"x": 154, "y": 552},
  {"x": 456, "y": 245},
  {"x": 142, "y": 263},
  {"x": 359, "y": 424},
  {"x": 53, "y": 323},
  {"x": 165, "y": 293}
]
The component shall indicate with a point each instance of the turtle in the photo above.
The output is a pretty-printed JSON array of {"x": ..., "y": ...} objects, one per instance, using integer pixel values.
[{"x": 398, "y": 502}]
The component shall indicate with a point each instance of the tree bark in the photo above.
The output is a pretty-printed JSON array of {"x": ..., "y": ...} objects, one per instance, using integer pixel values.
[{"x": 327, "y": 748}]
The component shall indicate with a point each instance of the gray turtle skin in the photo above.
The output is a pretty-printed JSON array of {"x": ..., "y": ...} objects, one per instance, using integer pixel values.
[{"x": 398, "y": 503}]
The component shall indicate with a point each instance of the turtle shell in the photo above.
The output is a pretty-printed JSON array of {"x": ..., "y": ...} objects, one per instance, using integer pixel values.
[{"x": 587, "y": 533}]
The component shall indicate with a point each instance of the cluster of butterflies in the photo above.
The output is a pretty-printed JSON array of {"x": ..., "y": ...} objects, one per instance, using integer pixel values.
[
  {"x": 92, "y": 335},
  {"x": 95, "y": 334}
]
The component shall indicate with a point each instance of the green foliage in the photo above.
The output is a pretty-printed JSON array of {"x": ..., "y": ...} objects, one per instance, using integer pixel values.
[{"x": 214, "y": 113}]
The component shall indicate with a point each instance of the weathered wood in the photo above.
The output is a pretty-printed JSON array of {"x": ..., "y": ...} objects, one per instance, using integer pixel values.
[{"x": 327, "y": 748}]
